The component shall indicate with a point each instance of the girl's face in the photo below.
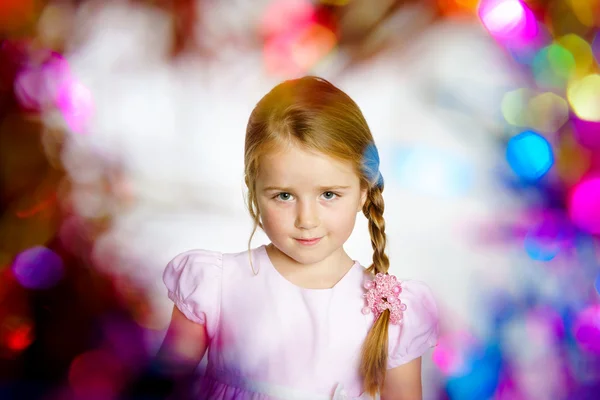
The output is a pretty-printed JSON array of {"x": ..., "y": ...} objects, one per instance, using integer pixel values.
[{"x": 307, "y": 202}]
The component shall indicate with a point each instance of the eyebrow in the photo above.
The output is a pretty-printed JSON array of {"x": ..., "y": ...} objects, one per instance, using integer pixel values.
[{"x": 323, "y": 188}]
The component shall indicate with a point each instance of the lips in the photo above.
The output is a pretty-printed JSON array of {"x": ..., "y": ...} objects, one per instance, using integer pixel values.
[{"x": 309, "y": 242}]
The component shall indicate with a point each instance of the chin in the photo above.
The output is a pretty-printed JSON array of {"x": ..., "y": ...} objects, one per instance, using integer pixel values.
[
  {"x": 307, "y": 256},
  {"x": 307, "y": 261},
  {"x": 302, "y": 254}
]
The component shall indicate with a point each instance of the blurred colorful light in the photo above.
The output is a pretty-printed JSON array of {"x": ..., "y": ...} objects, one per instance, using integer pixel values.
[
  {"x": 124, "y": 337},
  {"x": 451, "y": 353},
  {"x": 501, "y": 17},
  {"x": 508, "y": 20},
  {"x": 96, "y": 374},
  {"x": 584, "y": 97},
  {"x": 482, "y": 377},
  {"x": 596, "y": 47},
  {"x": 335, "y": 2},
  {"x": 295, "y": 40},
  {"x": 572, "y": 159},
  {"x": 547, "y": 239},
  {"x": 514, "y": 106},
  {"x": 524, "y": 49},
  {"x": 553, "y": 66},
  {"x": 282, "y": 16},
  {"x": 586, "y": 329},
  {"x": 457, "y": 7},
  {"x": 38, "y": 268},
  {"x": 36, "y": 85},
  {"x": 587, "y": 133},
  {"x": 20, "y": 337},
  {"x": 311, "y": 45},
  {"x": 544, "y": 324},
  {"x": 29, "y": 89},
  {"x": 562, "y": 20},
  {"x": 585, "y": 10},
  {"x": 547, "y": 112},
  {"x": 76, "y": 104},
  {"x": 584, "y": 205},
  {"x": 581, "y": 51},
  {"x": 15, "y": 14},
  {"x": 529, "y": 155},
  {"x": 544, "y": 112},
  {"x": 37, "y": 208}
]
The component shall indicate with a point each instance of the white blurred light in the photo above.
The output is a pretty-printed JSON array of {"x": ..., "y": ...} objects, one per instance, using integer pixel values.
[
  {"x": 503, "y": 16},
  {"x": 432, "y": 172}
]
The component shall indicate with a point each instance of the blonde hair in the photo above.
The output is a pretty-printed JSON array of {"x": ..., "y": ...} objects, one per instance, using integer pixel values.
[{"x": 313, "y": 113}]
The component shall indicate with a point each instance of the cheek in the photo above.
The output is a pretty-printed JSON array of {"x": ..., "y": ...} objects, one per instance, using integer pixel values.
[
  {"x": 342, "y": 217},
  {"x": 273, "y": 218}
]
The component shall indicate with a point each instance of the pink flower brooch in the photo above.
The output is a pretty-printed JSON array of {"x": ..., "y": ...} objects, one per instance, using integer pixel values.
[{"x": 383, "y": 294}]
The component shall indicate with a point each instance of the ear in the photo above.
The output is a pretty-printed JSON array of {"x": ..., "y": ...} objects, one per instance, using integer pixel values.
[{"x": 363, "y": 198}]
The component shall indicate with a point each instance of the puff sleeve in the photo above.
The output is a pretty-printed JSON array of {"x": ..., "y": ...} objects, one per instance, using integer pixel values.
[
  {"x": 419, "y": 330},
  {"x": 193, "y": 280}
]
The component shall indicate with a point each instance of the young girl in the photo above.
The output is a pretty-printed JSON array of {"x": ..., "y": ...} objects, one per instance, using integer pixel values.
[{"x": 298, "y": 318}]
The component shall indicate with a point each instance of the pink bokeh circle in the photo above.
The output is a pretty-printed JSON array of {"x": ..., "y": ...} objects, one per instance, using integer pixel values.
[{"x": 584, "y": 205}]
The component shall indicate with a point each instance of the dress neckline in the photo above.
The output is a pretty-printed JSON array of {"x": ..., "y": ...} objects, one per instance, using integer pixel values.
[{"x": 346, "y": 277}]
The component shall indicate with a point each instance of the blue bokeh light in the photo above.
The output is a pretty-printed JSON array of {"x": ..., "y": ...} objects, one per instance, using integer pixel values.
[
  {"x": 546, "y": 240},
  {"x": 540, "y": 250},
  {"x": 480, "y": 381},
  {"x": 529, "y": 155}
]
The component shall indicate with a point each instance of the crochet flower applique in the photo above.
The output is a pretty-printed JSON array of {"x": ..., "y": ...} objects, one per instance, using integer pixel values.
[{"x": 383, "y": 293}]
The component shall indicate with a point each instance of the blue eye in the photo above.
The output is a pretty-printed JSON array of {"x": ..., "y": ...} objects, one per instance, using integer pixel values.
[
  {"x": 284, "y": 196},
  {"x": 329, "y": 195}
]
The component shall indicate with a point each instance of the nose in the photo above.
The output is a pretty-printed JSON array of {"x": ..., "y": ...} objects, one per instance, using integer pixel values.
[{"x": 307, "y": 216}]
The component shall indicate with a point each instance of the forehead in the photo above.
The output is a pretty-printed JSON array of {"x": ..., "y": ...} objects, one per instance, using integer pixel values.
[{"x": 293, "y": 166}]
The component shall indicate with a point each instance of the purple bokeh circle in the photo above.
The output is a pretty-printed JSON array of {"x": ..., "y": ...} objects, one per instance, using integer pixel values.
[{"x": 38, "y": 268}]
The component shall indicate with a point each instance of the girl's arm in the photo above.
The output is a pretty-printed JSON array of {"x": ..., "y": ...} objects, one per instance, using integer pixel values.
[
  {"x": 184, "y": 346},
  {"x": 403, "y": 382}
]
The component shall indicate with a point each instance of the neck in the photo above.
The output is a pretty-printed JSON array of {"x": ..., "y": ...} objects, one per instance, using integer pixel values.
[{"x": 323, "y": 274}]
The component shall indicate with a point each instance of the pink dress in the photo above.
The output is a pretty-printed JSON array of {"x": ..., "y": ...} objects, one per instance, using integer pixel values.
[{"x": 270, "y": 339}]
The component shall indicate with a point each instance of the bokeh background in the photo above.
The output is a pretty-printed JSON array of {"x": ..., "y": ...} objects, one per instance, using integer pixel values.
[{"x": 121, "y": 142}]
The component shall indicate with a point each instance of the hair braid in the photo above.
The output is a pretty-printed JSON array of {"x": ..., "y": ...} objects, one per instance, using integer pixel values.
[
  {"x": 373, "y": 210},
  {"x": 375, "y": 349}
]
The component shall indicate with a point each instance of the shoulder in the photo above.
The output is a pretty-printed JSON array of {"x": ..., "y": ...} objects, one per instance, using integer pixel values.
[
  {"x": 193, "y": 280},
  {"x": 187, "y": 269},
  {"x": 421, "y": 307},
  {"x": 420, "y": 295},
  {"x": 197, "y": 261},
  {"x": 197, "y": 256},
  {"x": 419, "y": 329}
]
